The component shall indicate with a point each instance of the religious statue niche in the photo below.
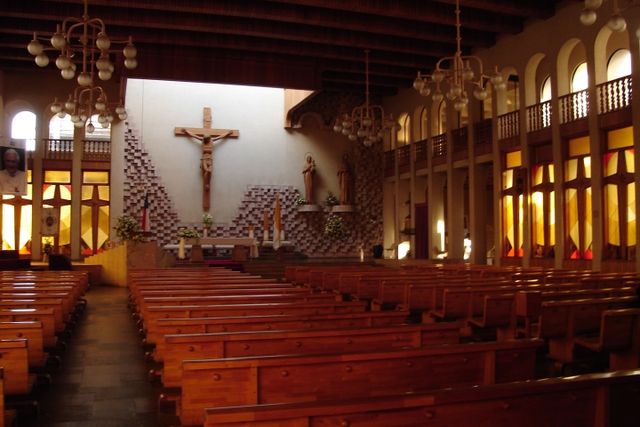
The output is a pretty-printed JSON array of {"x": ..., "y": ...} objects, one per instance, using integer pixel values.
[
  {"x": 345, "y": 177},
  {"x": 308, "y": 204},
  {"x": 207, "y": 136}
]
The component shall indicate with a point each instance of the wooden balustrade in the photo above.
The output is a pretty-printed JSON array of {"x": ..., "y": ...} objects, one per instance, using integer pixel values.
[
  {"x": 482, "y": 135},
  {"x": 614, "y": 95},
  {"x": 404, "y": 158},
  {"x": 508, "y": 125},
  {"x": 58, "y": 149},
  {"x": 574, "y": 106},
  {"x": 539, "y": 116},
  {"x": 96, "y": 150},
  {"x": 439, "y": 144}
]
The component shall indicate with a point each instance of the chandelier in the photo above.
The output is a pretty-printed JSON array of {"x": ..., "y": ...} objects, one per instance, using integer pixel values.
[
  {"x": 616, "y": 22},
  {"x": 456, "y": 71},
  {"x": 83, "y": 42},
  {"x": 366, "y": 122}
]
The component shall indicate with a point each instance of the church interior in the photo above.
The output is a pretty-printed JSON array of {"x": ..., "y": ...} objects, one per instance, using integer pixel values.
[{"x": 310, "y": 212}]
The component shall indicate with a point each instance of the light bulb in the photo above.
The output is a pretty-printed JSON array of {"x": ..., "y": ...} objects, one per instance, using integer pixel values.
[
  {"x": 345, "y": 131},
  {"x": 56, "y": 107},
  {"x": 438, "y": 76},
  {"x": 109, "y": 117},
  {"x": 35, "y": 47},
  {"x": 78, "y": 124},
  {"x": 588, "y": 17},
  {"x": 58, "y": 41},
  {"x": 496, "y": 78},
  {"x": 480, "y": 94},
  {"x": 69, "y": 105},
  {"x": 353, "y": 137},
  {"x": 467, "y": 73},
  {"x": 102, "y": 119},
  {"x": 68, "y": 73},
  {"x": 617, "y": 23},
  {"x": 75, "y": 118},
  {"x": 61, "y": 114},
  {"x": 361, "y": 133},
  {"x": 129, "y": 51},
  {"x": 120, "y": 109},
  {"x": 84, "y": 79},
  {"x": 90, "y": 128},
  {"x": 104, "y": 75},
  {"x": 367, "y": 122},
  {"x": 337, "y": 128},
  {"x": 105, "y": 125},
  {"x": 103, "y": 62},
  {"x": 131, "y": 63},
  {"x": 367, "y": 142},
  {"x": 122, "y": 116},
  {"x": 62, "y": 62},
  {"x": 425, "y": 91},
  {"x": 418, "y": 83},
  {"x": 103, "y": 42},
  {"x": 42, "y": 60},
  {"x": 437, "y": 97}
]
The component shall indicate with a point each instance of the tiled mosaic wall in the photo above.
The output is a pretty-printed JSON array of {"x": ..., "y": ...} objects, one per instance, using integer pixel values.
[{"x": 363, "y": 227}]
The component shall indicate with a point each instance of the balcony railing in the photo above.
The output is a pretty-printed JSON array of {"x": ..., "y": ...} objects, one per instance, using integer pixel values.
[
  {"x": 93, "y": 150},
  {"x": 404, "y": 158},
  {"x": 508, "y": 125},
  {"x": 421, "y": 151},
  {"x": 62, "y": 149},
  {"x": 439, "y": 143},
  {"x": 614, "y": 95},
  {"x": 389, "y": 163},
  {"x": 574, "y": 106},
  {"x": 58, "y": 149},
  {"x": 539, "y": 116},
  {"x": 482, "y": 135},
  {"x": 459, "y": 137}
]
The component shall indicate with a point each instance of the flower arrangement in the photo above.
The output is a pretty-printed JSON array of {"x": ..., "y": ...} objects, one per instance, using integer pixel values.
[
  {"x": 334, "y": 228},
  {"x": 331, "y": 200},
  {"x": 128, "y": 229},
  {"x": 188, "y": 233},
  {"x": 207, "y": 219},
  {"x": 300, "y": 200}
]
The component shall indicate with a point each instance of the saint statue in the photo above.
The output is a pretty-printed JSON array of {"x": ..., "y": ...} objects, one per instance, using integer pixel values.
[
  {"x": 307, "y": 172},
  {"x": 344, "y": 179}
]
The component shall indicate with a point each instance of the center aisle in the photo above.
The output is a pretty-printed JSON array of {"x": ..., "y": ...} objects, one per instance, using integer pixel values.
[{"x": 103, "y": 378}]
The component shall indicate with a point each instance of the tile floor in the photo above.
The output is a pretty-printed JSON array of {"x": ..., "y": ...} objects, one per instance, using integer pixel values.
[{"x": 102, "y": 381}]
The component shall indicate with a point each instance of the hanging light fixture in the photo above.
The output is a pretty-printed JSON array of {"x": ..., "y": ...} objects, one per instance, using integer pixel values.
[
  {"x": 84, "y": 102},
  {"x": 455, "y": 72},
  {"x": 616, "y": 22},
  {"x": 83, "y": 42},
  {"x": 366, "y": 122}
]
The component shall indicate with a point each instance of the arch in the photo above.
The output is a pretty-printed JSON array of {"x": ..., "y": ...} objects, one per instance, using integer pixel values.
[
  {"x": 570, "y": 54},
  {"x": 423, "y": 123},
  {"x": 24, "y": 126},
  {"x": 606, "y": 43},
  {"x": 532, "y": 73},
  {"x": 61, "y": 127},
  {"x": 404, "y": 129},
  {"x": 579, "y": 77},
  {"x": 619, "y": 64}
]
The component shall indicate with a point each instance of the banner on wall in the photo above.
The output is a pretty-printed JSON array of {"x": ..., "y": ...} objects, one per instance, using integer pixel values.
[
  {"x": 13, "y": 168},
  {"x": 50, "y": 222}
]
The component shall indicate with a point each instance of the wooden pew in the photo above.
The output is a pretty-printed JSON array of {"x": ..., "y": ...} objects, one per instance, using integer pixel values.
[
  {"x": 589, "y": 400},
  {"x": 177, "y": 348},
  {"x": 43, "y": 315},
  {"x": 561, "y": 321},
  {"x": 15, "y": 362},
  {"x": 162, "y": 327},
  {"x": 280, "y": 379},
  {"x": 226, "y": 310},
  {"x": 619, "y": 336},
  {"x": 32, "y": 332}
]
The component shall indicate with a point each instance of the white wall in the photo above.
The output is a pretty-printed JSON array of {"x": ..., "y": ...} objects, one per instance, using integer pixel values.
[{"x": 265, "y": 153}]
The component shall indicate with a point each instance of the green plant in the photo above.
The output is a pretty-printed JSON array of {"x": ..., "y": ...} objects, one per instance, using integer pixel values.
[
  {"x": 334, "y": 227},
  {"x": 207, "y": 219},
  {"x": 128, "y": 229},
  {"x": 300, "y": 200},
  {"x": 188, "y": 233},
  {"x": 331, "y": 200}
]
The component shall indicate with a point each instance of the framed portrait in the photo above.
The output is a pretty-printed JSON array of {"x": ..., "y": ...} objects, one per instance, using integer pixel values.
[{"x": 13, "y": 170}]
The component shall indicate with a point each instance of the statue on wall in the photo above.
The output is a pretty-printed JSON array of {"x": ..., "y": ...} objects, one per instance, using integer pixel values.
[
  {"x": 344, "y": 179},
  {"x": 308, "y": 171}
]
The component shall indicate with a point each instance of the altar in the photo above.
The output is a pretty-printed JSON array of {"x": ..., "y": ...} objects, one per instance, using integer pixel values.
[{"x": 240, "y": 246}]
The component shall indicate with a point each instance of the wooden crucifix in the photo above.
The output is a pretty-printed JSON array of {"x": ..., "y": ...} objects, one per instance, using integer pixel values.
[{"x": 208, "y": 136}]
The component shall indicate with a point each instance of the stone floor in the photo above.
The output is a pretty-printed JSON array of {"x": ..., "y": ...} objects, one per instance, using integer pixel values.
[{"x": 102, "y": 381}]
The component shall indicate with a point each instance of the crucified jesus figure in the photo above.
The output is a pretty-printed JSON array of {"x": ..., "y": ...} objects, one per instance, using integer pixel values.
[
  {"x": 207, "y": 135},
  {"x": 206, "y": 162}
]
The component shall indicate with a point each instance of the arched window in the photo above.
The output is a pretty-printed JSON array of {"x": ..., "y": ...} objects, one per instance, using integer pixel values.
[
  {"x": 424, "y": 123},
  {"x": 23, "y": 127},
  {"x": 404, "y": 130},
  {"x": 619, "y": 64},
  {"x": 580, "y": 78},
  {"x": 442, "y": 115},
  {"x": 61, "y": 128},
  {"x": 100, "y": 132},
  {"x": 545, "y": 91}
]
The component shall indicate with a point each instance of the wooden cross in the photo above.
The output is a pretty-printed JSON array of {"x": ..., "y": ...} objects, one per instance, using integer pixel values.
[{"x": 207, "y": 135}]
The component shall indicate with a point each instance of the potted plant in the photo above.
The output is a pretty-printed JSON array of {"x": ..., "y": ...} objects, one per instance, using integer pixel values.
[
  {"x": 207, "y": 222},
  {"x": 334, "y": 227},
  {"x": 331, "y": 200},
  {"x": 128, "y": 229}
]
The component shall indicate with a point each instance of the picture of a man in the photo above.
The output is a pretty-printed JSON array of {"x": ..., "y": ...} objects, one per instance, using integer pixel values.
[{"x": 13, "y": 179}]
